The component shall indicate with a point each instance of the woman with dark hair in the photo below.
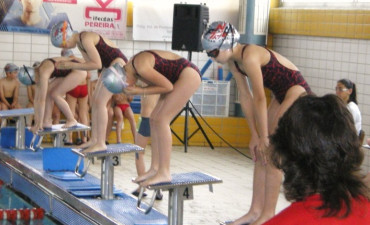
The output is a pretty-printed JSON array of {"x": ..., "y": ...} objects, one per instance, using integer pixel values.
[
  {"x": 316, "y": 146},
  {"x": 346, "y": 90}
]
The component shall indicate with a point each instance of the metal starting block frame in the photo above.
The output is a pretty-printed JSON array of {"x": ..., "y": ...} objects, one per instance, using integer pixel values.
[
  {"x": 58, "y": 131},
  {"x": 20, "y": 116},
  {"x": 179, "y": 189},
  {"x": 107, "y": 165}
]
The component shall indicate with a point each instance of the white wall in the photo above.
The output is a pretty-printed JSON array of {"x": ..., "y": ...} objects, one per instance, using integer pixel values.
[{"x": 323, "y": 61}]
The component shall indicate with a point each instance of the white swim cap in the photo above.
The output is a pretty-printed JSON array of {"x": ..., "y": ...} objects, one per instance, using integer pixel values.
[
  {"x": 60, "y": 33},
  {"x": 26, "y": 75},
  {"x": 114, "y": 78},
  {"x": 220, "y": 35}
]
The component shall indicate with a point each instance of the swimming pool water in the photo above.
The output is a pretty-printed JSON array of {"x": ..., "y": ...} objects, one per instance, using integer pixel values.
[{"x": 11, "y": 200}]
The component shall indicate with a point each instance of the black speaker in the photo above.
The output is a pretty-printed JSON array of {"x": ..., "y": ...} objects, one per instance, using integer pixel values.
[{"x": 189, "y": 22}]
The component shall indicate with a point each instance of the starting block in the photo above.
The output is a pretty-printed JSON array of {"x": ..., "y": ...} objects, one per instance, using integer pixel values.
[
  {"x": 20, "y": 116},
  {"x": 107, "y": 170},
  {"x": 59, "y": 133},
  {"x": 179, "y": 189}
]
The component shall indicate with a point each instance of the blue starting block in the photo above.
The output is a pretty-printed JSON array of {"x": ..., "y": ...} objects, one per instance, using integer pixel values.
[
  {"x": 20, "y": 116},
  {"x": 59, "y": 159},
  {"x": 107, "y": 170},
  {"x": 59, "y": 132},
  {"x": 179, "y": 189},
  {"x": 9, "y": 137}
]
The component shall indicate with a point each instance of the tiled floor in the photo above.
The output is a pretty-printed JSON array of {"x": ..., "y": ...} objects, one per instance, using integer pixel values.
[{"x": 230, "y": 199}]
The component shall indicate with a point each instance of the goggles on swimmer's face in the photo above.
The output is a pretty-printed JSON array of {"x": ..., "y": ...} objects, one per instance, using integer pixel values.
[
  {"x": 341, "y": 89},
  {"x": 214, "y": 53}
]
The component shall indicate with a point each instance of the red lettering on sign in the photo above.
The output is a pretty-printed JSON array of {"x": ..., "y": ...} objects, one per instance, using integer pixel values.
[{"x": 103, "y": 9}]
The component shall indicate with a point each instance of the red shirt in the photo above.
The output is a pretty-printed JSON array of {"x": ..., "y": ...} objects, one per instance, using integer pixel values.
[{"x": 304, "y": 213}]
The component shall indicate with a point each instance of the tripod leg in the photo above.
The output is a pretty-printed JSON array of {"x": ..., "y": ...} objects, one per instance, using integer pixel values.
[
  {"x": 201, "y": 128},
  {"x": 173, "y": 120},
  {"x": 186, "y": 127}
]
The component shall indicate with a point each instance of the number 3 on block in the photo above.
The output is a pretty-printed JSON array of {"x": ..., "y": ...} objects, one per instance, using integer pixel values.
[{"x": 116, "y": 160}]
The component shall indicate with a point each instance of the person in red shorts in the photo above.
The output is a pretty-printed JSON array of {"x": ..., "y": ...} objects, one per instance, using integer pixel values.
[
  {"x": 317, "y": 147},
  {"x": 51, "y": 85},
  {"x": 123, "y": 110},
  {"x": 77, "y": 99}
]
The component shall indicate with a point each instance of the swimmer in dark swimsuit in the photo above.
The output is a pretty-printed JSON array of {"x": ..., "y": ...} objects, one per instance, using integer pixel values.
[
  {"x": 51, "y": 85},
  {"x": 264, "y": 69},
  {"x": 98, "y": 53},
  {"x": 175, "y": 79}
]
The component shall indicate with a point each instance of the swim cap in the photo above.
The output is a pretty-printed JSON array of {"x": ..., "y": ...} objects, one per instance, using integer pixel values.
[
  {"x": 114, "y": 78},
  {"x": 26, "y": 75},
  {"x": 36, "y": 64},
  {"x": 10, "y": 67},
  {"x": 60, "y": 33},
  {"x": 220, "y": 35}
]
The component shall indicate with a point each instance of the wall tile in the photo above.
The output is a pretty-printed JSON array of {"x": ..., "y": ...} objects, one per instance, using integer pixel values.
[
  {"x": 6, "y": 47},
  {"x": 22, "y": 38}
]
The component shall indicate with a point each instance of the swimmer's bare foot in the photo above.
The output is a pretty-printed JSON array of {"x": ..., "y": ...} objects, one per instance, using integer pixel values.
[
  {"x": 150, "y": 173},
  {"x": 35, "y": 129},
  {"x": 158, "y": 178},
  {"x": 87, "y": 144},
  {"x": 261, "y": 220},
  {"x": 246, "y": 219},
  {"x": 47, "y": 126},
  {"x": 69, "y": 124},
  {"x": 94, "y": 148}
]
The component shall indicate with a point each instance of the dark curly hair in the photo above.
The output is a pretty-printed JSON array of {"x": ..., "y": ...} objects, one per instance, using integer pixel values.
[{"x": 317, "y": 147}]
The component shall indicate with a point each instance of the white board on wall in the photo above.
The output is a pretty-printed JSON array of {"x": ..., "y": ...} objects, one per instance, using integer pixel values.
[{"x": 152, "y": 19}]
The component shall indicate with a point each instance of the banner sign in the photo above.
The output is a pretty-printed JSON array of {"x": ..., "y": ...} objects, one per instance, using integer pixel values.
[
  {"x": 106, "y": 17},
  {"x": 152, "y": 20}
]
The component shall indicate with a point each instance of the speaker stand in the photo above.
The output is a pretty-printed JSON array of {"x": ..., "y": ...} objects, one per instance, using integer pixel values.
[{"x": 188, "y": 109}]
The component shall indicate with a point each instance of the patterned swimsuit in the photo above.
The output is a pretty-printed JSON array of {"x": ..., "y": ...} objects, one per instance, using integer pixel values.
[
  {"x": 59, "y": 72},
  {"x": 107, "y": 53},
  {"x": 279, "y": 78},
  {"x": 171, "y": 69}
]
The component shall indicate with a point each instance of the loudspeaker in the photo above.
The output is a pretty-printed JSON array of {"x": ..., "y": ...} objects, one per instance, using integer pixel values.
[{"x": 189, "y": 22}]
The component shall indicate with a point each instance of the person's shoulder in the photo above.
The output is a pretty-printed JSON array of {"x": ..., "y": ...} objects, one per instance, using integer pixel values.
[
  {"x": 252, "y": 52},
  {"x": 352, "y": 105}
]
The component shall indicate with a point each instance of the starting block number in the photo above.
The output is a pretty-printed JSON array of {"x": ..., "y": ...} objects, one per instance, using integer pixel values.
[
  {"x": 187, "y": 192},
  {"x": 116, "y": 160}
]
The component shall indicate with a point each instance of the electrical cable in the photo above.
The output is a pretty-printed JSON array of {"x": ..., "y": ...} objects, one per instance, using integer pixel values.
[{"x": 219, "y": 135}]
